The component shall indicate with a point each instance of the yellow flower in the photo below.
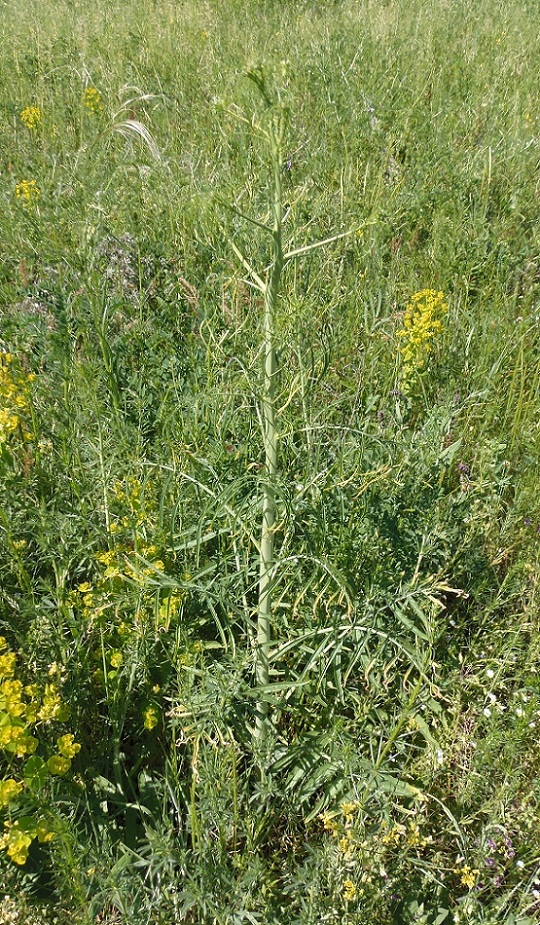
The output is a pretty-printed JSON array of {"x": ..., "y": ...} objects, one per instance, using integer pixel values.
[
  {"x": 52, "y": 706},
  {"x": 67, "y": 747},
  {"x": 5, "y": 735},
  {"x": 11, "y": 688},
  {"x": 11, "y": 701},
  {"x": 467, "y": 875},
  {"x": 116, "y": 659},
  {"x": 14, "y": 384},
  {"x": 17, "y": 844},
  {"x": 345, "y": 846},
  {"x": 9, "y": 791},
  {"x": 7, "y": 665},
  {"x": 392, "y": 838},
  {"x": 92, "y": 100},
  {"x": 329, "y": 823},
  {"x": 151, "y": 718},
  {"x": 32, "y": 118},
  {"x": 27, "y": 191},
  {"x": 25, "y": 745},
  {"x": 44, "y": 832},
  {"x": 149, "y": 551},
  {"x": 349, "y": 808},
  {"x": 107, "y": 558},
  {"x": 349, "y": 891}
]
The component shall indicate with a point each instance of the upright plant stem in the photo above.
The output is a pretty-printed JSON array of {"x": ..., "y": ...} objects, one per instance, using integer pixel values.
[{"x": 268, "y": 409}]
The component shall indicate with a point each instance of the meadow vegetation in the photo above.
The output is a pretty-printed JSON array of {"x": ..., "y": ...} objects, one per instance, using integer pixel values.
[{"x": 146, "y": 148}]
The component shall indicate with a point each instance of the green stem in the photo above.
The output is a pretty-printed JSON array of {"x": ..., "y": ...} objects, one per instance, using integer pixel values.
[
  {"x": 400, "y": 724},
  {"x": 270, "y": 436}
]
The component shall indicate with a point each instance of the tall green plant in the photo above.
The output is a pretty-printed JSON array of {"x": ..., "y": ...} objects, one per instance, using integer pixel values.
[{"x": 270, "y": 286}]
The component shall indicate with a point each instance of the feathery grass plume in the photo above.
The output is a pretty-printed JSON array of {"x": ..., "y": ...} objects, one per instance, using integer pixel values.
[{"x": 131, "y": 127}]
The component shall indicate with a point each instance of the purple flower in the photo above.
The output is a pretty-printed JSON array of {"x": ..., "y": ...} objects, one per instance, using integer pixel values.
[
  {"x": 527, "y": 521},
  {"x": 490, "y": 862}
]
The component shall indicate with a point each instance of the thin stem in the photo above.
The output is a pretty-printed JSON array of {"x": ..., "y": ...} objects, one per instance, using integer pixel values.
[{"x": 270, "y": 436}]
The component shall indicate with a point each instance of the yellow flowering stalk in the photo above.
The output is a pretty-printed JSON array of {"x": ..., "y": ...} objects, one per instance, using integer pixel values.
[
  {"x": 421, "y": 325},
  {"x": 14, "y": 402},
  {"x": 32, "y": 118},
  {"x": 27, "y": 192},
  {"x": 23, "y": 709}
]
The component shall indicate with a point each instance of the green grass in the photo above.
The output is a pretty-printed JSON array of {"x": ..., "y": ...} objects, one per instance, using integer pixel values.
[{"x": 400, "y": 763}]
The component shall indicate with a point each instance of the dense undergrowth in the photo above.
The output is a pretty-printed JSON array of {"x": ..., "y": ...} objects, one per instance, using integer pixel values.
[{"x": 399, "y": 779}]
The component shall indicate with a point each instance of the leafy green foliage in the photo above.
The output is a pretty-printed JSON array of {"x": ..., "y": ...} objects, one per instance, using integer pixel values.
[{"x": 403, "y": 689}]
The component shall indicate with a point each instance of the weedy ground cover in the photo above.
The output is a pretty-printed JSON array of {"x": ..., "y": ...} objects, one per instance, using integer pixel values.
[{"x": 397, "y": 777}]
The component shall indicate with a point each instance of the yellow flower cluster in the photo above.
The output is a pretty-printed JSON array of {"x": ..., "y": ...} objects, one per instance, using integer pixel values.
[
  {"x": 150, "y": 717},
  {"x": 92, "y": 100},
  {"x": 9, "y": 791},
  {"x": 467, "y": 875},
  {"x": 364, "y": 856},
  {"x": 27, "y": 192},
  {"x": 408, "y": 835},
  {"x": 421, "y": 324},
  {"x": 32, "y": 118},
  {"x": 19, "y": 835},
  {"x": 349, "y": 891},
  {"x": 22, "y": 708},
  {"x": 125, "y": 599},
  {"x": 14, "y": 399}
]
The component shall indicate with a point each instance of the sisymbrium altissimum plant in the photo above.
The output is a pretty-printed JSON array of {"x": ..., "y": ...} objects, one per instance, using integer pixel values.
[{"x": 269, "y": 285}]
